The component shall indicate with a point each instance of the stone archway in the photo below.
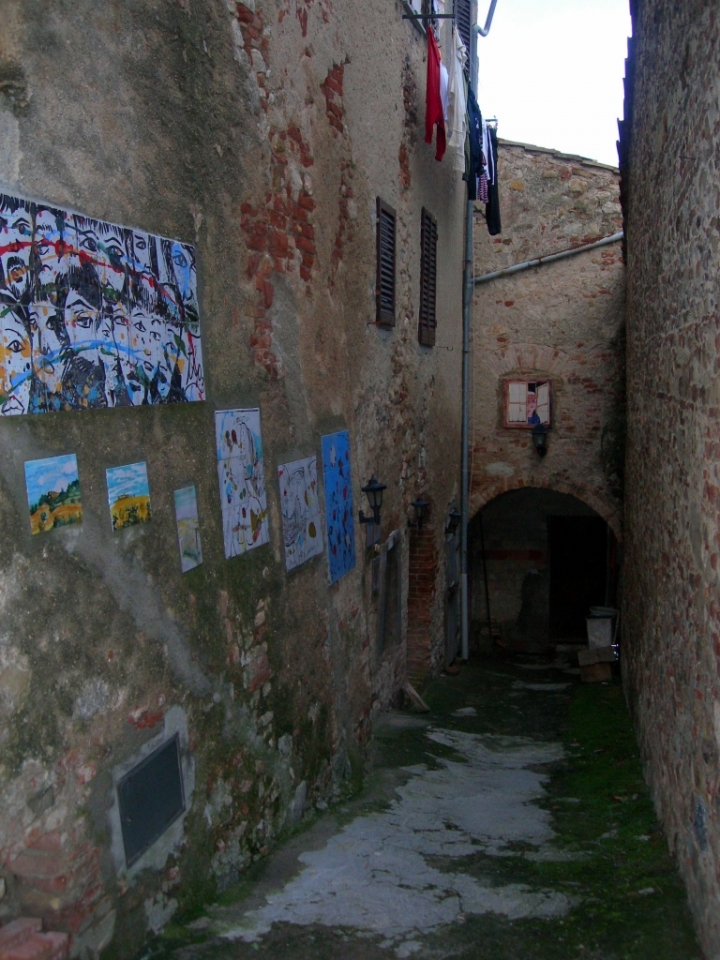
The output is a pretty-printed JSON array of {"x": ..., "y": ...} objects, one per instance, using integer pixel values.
[
  {"x": 543, "y": 557},
  {"x": 483, "y": 492}
]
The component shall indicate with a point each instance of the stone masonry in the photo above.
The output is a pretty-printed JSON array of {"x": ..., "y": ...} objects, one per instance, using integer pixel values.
[
  {"x": 564, "y": 321},
  {"x": 671, "y": 185}
]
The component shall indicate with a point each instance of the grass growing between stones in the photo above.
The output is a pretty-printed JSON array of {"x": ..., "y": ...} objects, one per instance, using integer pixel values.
[{"x": 633, "y": 903}]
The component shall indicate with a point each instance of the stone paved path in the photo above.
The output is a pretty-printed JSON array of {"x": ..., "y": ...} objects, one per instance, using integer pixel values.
[{"x": 466, "y": 842}]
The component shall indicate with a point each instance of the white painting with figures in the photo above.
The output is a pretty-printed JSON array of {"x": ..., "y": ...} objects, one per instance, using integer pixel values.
[
  {"x": 93, "y": 314},
  {"x": 242, "y": 480},
  {"x": 300, "y": 509}
]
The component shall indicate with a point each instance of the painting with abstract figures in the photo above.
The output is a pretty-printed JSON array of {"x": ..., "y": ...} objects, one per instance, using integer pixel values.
[
  {"x": 53, "y": 492},
  {"x": 300, "y": 509},
  {"x": 188, "y": 528},
  {"x": 338, "y": 504},
  {"x": 241, "y": 474},
  {"x": 128, "y": 495},
  {"x": 93, "y": 314}
]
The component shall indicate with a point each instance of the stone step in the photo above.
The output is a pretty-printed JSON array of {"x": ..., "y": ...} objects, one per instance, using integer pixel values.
[
  {"x": 17, "y": 931},
  {"x": 39, "y": 946}
]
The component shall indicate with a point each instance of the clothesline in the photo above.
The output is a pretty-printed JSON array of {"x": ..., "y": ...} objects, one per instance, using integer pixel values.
[{"x": 452, "y": 113}]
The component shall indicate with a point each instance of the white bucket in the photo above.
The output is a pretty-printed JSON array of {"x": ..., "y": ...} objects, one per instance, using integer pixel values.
[{"x": 599, "y": 631}]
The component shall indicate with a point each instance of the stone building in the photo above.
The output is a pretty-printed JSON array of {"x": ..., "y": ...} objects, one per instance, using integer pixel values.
[
  {"x": 669, "y": 153},
  {"x": 561, "y": 324},
  {"x": 260, "y": 134}
]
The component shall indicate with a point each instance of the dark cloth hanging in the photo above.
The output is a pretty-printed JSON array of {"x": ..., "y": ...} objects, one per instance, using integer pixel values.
[
  {"x": 475, "y": 164},
  {"x": 434, "y": 113},
  {"x": 492, "y": 209}
]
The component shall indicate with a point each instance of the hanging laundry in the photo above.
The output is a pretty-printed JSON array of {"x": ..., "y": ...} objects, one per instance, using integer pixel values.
[
  {"x": 444, "y": 92},
  {"x": 457, "y": 102},
  {"x": 433, "y": 100},
  {"x": 475, "y": 164},
  {"x": 492, "y": 210}
]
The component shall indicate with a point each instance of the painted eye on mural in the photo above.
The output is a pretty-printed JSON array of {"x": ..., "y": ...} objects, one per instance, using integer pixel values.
[
  {"x": 22, "y": 227},
  {"x": 89, "y": 242},
  {"x": 140, "y": 326},
  {"x": 15, "y": 346},
  {"x": 179, "y": 259},
  {"x": 115, "y": 252},
  {"x": 43, "y": 249},
  {"x": 55, "y": 325},
  {"x": 140, "y": 243},
  {"x": 83, "y": 321}
]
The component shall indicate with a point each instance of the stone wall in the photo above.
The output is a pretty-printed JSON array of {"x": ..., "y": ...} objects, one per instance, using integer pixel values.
[
  {"x": 262, "y": 132},
  {"x": 563, "y": 321},
  {"x": 671, "y": 612}
]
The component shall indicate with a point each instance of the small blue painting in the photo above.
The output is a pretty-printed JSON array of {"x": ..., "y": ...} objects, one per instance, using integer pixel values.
[{"x": 338, "y": 504}]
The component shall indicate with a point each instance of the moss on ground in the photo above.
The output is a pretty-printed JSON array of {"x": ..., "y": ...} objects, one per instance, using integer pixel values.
[{"x": 609, "y": 856}]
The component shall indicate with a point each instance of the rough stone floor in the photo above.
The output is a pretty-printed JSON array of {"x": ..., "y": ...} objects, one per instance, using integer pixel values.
[{"x": 510, "y": 823}]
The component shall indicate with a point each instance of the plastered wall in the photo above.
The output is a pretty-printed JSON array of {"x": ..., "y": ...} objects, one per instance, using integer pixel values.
[{"x": 261, "y": 133}]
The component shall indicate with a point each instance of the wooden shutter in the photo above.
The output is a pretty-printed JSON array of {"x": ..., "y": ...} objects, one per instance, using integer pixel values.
[
  {"x": 463, "y": 21},
  {"x": 385, "y": 281},
  {"x": 428, "y": 279}
]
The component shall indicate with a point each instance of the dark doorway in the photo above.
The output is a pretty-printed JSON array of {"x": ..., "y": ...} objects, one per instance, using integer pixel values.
[{"x": 578, "y": 555}]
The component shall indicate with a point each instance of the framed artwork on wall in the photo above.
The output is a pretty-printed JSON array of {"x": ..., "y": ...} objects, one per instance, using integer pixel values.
[{"x": 527, "y": 402}]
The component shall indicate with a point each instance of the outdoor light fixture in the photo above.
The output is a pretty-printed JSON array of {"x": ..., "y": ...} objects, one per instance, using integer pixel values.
[
  {"x": 453, "y": 521},
  {"x": 420, "y": 507},
  {"x": 374, "y": 492},
  {"x": 540, "y": 438}
]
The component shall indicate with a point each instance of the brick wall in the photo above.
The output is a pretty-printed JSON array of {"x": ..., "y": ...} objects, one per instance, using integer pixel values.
[
  {"x": 564, "y": 321},
  {"x": 671, "y": 609},
  {"x": 423, "y": 649}
]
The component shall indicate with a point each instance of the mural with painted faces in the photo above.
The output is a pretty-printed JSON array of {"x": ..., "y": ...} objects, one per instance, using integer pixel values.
[
  {"x": 15, "y": 248},
  {"x": 17, "y": 362},
  {"x": 111, "y": 261},
  {"x": 49, "y": 345},
  {"x": 109, "y": 313},
  {"x": 47, "y": 249},
  {"x": 82, "y": 317},
  {"x": 141, "y": 343}
]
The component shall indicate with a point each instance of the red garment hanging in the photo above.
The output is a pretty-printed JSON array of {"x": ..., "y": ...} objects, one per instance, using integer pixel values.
[{"x": 433, "y": 106}]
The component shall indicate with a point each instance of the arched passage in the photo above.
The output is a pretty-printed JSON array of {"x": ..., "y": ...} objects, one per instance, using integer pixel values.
[{"x": 547, "y": 557}]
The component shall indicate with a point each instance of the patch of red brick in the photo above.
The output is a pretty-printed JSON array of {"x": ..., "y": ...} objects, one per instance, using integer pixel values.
[
  {"x": 251, "y": 27},
  {"x": 281, "y": 237},
  {"x": 144, "y": 719}
]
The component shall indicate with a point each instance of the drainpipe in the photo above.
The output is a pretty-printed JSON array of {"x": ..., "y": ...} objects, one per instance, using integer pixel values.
[
  {"x": 551, "y": 258},
  {"x": 468, "y": 287}
]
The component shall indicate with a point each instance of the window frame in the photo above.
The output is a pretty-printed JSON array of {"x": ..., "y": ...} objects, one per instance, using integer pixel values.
[{"x": 537, "y": 382}]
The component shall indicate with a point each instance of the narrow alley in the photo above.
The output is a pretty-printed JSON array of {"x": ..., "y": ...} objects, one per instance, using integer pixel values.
[{"x": 511, "y": 821}]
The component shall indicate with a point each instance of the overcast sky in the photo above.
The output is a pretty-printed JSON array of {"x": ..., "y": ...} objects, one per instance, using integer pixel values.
[{"x": 551, "y": 71}]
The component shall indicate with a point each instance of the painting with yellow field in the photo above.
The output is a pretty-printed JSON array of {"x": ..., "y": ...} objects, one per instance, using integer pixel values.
[
  {"x": 128, "y": 495},
  {"x": 53, "y": 492}
]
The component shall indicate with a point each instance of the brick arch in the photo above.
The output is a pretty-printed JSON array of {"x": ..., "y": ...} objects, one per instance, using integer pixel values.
[{"x": 485, "y": 492}]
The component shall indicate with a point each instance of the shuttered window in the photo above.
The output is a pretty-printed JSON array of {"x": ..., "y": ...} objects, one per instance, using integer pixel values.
[
  {"x": 428, "y": 279},
  {"x": 463, "y": 19},
  {"x": 385, "y": 282}
]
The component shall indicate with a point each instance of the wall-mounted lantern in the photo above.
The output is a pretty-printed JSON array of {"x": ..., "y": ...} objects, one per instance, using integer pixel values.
[
  {"x": 453, "y": 521},
  {"x": 540, "y": 438},
  {"x": 420, "y": 507},
  {"x": 374, "y": 492}
]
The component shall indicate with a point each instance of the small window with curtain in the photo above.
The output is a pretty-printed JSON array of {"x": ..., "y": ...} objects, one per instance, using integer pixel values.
[
  {"x": 527, "y": 403},
  {"x": 385, "y": 280},
  {"x": 428, "y": 279}
]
